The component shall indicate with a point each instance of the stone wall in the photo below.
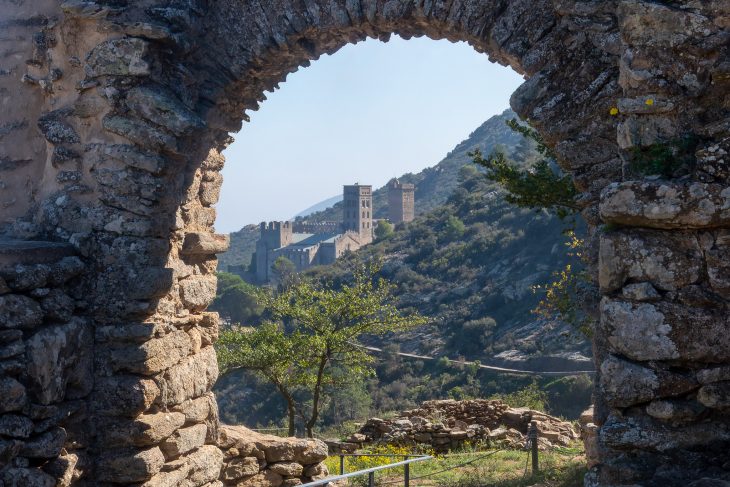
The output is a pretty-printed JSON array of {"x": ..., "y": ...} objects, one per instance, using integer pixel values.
[
  {"x": 445, "y": 425},
  {"x": 114, "y": 118},
  {"x": 46, "y": 359},
  {"x": 255, "y": 460}
]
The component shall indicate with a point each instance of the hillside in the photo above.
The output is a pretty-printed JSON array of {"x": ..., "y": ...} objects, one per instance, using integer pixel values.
[
  {"x": 433, "y": 186},
  {"x": 470, "y": 265}
]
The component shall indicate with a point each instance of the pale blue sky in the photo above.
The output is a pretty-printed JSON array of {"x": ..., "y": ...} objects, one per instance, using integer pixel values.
[{"x": 370, "y": 112}]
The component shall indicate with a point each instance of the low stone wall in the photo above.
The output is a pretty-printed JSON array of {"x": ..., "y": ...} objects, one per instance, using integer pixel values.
[
  {"x": 255, "y": 460},
  {"x": 449, "y": 424}
]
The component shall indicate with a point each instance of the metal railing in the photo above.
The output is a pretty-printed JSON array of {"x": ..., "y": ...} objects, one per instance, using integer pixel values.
[{"x": 370, "y": 472}]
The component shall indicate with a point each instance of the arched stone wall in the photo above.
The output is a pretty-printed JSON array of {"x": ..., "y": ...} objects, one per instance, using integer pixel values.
[{"x": 114, "y": 117}]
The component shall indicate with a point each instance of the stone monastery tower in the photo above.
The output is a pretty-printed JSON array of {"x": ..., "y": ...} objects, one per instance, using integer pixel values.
[
  {"x": 357, "y": 211},
  {"x": 401, "y": 202}
]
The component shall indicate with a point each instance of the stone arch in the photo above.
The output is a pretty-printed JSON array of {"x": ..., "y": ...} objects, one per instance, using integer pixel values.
[{"x": 116, "y": 114}]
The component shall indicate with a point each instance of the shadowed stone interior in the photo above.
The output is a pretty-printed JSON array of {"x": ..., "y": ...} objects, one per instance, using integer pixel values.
[{"x": 114, "y": 117}]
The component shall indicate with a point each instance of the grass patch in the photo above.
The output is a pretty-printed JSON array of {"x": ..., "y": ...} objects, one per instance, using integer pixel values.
[{"x": 561, "y": 467}]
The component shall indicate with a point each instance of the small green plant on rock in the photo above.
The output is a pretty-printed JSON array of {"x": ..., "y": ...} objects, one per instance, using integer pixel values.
[{"x": 665, "y": 158}]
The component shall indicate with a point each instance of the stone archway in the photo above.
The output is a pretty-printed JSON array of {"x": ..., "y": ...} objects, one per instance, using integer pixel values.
[{"x": 114, "y": 117}]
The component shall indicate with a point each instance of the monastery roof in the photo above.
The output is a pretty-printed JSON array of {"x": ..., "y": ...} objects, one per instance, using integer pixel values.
[{"x": 302, "y": 240}]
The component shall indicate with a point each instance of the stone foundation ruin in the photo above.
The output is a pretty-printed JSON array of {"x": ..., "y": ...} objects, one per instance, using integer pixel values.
[
  {"x": 114, "y": 117},
  {"x": 447, "y": 425}
]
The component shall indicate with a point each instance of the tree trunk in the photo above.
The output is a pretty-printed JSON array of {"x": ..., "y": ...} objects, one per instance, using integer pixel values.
[
  {"x": 316, "y": 396},
  {"x": 291, "y": 408}
]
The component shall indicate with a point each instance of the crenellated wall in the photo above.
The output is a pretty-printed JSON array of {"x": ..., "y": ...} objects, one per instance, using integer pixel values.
[{"x": 114, "y": 118}]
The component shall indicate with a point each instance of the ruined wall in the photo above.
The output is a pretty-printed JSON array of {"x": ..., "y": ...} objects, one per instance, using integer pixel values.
[{"x": 114, "y": 117}]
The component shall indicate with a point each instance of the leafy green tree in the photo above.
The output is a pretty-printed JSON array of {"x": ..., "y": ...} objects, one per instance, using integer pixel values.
[
  {"x": 383, "y": 230},
  {"x": 237, "y": 300},
  {"x": 455, "y": 228},
  {"x": 272, "y": 354},
  {"x": 314, "y": 343},
  {"x": 334, "y": 320},
  {"x": 532, "y": 396},
  {"x": 283, "y": 270},
  {"x": 541, "y": 186}
]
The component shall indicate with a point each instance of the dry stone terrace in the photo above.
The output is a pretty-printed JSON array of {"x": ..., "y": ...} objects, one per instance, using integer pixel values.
[{"x": 114, "y": 117}]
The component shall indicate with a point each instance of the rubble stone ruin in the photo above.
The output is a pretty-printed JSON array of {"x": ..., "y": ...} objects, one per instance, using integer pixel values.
[{"x": 114, "y": 116}]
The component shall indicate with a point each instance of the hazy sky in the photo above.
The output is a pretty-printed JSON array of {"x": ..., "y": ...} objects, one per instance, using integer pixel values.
[{"x": 370, "y": 112}]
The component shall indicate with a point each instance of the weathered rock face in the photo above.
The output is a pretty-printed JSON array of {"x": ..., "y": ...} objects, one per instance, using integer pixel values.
[
  {"x": 448, "y": 424},
  {"x": 116, "y": 113}
]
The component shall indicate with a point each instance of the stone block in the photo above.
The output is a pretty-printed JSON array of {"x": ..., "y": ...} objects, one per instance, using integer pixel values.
[
  {"x": 640, "y": 292},
  {"x": 29, "y": 252},
  {"x": 666, "y": 331},
  {"x": 124, "y": 395},
  {"x": 15, "y": 426},
  {"x": 144, "y": 430},
  {"x": 22, "y": 477},
  {"x": 184, "y": 440},
  {"x": 197, "y": 410},
  {"x": 203, "y": 243},
  {"x": 128, "y": 466},
  {"x": 675, "y": 410},
  {"x": 287, "y": 469},
  {"x": 267, "y": 478},
  {"x": 668, "y": 261},
  {"x": 718, "y": 269},
  {"x": 119, "y": 57},
  {"x": 205, "y": 465},
  {"x": 132, "y": 332},
  {"x": 210, "y": 188},
  {"x": 153, "y": 356},
  {"x": 197, "y": 292},
  {"x": 134, "y": 157},
  {"x": 239, "y": 468},
  {"x": 58, "y": 357},
  {"x": 662, "y": 204},
  {"x": 13, "y": 395},
  {"x": 57, "y": 305},
  {"x": 140, "y": 133},
  {"x": 18, "y": 311},
  {"x": 191, "y": 378},
  {"x": 647, "y": 434},
  {"x": 28, "y": 277},
  {"x": 46, "y": 445},
  {"x": 162, "y": 108},
  {"x": 715, "y": 395},
  {"x": 624, "y": 383},
  {"x": 714, "y": 374}
]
